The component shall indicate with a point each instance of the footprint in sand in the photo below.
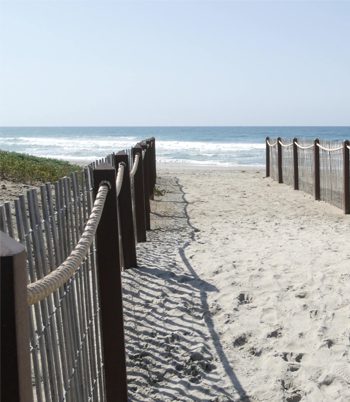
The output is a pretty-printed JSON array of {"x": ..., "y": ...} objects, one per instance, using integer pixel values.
[
  {"x": 277, "y": 333},
  {"x": 301, "y": 294},
  {"x": 241, "y": 340},
  {"x": 291, "y": 393},
  {"x": 328, "y": 343},
  {"x": 326, "y": 324},
  {"x": 244, "y": 298},
  {"x": 214, "y": 308},
  {"x": 293, "y": 360},
  {"x": 292, "y": 357},
  {"x": 339, "y": 371},
  {"x": 313, "y": 314},
  {"x": 228, "y": 319},
  {"x": 255, "y": 351}
]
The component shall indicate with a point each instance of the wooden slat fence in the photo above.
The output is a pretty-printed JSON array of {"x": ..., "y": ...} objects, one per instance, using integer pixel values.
[
  {"x": 318, "y": 167},
  {"x": 69, "y": 345}
]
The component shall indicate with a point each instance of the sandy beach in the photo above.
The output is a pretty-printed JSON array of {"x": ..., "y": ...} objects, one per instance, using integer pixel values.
[{"x": 243, "y": 293}]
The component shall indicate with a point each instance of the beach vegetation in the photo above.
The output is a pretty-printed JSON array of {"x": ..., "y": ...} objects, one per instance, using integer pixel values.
[
  {"x": 31, "y": 169},
  {"x": 159, "y": 192}
]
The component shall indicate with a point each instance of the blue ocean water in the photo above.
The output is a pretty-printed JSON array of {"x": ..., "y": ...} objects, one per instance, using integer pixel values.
[{"x": 223, "y": 146}]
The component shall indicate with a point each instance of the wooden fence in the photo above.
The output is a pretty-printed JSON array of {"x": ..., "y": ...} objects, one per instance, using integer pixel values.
[
  {"x": 61, "y": 251},
  {"x": 320, "y": 168}
]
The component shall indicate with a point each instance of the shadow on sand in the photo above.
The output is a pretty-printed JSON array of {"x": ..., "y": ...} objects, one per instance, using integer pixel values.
[{"x": 168, "y": 326}]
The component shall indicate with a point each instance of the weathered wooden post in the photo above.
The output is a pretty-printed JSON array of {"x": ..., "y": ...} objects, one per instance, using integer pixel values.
[
  {"x": 279, "y": 160},
  {"x": 154, "y": 162},
  {"x": 346, "y": 176},
  {"x": 110, "y": 288},
  {"x": 140, "y": 215},
  {"x": 267, "y": 156},
  {"x": 125, "y": 213},
  {"x": 150, "y": 144},
  {"x": 296, "y": 164},
  {"x": 146, "y": 182},
  {"x": 317, "y": 169},
  {"x": 15, "y": 385}
]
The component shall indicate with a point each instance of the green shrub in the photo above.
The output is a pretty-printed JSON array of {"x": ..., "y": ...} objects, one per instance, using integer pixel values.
[{"x": 32, "y": 169}]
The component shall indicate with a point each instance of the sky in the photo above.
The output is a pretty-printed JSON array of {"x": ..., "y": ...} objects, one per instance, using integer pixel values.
[{"x": 163, "y": 63}]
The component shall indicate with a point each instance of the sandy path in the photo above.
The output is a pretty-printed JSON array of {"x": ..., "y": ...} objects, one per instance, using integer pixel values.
[
  {"x": 245, "y": 290},
  {"x": 170, "y": 352},
  {"x": 281, "y": 264}
]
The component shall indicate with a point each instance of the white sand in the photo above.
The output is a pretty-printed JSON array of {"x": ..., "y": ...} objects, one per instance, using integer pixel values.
[
  {"x": 244, "y": 289},
  {"x": 9, "y": 190},
  {"x": 243, "y": 292}
]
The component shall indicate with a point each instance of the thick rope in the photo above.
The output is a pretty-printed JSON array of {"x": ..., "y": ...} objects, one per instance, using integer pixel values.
[
  {"x": 307, "y": 146},
  {"x": 43, "y": 287},
  {"x": 329, "y": 149},
  {"x": 285, "y": 145},
  {"x": 136, "y": 163},
  {"x": 304, "y": 147},
  {"x": 120, "y": 176},
  {"x": 269, "y": 143}
]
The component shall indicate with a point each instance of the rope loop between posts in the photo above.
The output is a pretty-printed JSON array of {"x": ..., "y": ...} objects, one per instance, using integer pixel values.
[
  {"x": 304, "y": 147},
  {"x": 329, "y": 149},
  {"x": 285, "y": 145},
  {"x": 135, "y": 165},
  {"x": 269, "y": 143},
  {"x": 45, "y": 286},
  {"x": 120, "y": 176}
]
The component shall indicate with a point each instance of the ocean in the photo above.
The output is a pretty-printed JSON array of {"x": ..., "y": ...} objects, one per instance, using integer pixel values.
[{"x": 221, "y": 146}]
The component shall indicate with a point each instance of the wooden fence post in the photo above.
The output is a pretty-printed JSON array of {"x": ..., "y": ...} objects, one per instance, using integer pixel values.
[
  {"x": 139, "y": 197},
  {"x": 125, "y": 213},
  {"x": 154, "y": 162},
  {"x": 296, "y": 164},
  {"x": 110, "y": 289},
  {"x": 279, "y": 159},
  {"x": 150, "y": 143},
  {"x": 267, "y": 157},
  {"x": 317, "y": 169},
  {"x": 346, "y": 167},
  {"x": 146, "y": 182},
  {"x": 15, "y": 377}
]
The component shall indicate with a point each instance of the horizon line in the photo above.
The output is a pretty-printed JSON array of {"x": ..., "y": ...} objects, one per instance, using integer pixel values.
[{"x": 176, "y": 126}]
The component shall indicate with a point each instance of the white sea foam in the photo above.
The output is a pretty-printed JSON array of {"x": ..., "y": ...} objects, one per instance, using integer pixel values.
[
  {"x": 212, "y": 147},
  {"x": 81, "y": 149},
  {"x": 205, "y": 162},
  {"x": 65, "y": 142}
]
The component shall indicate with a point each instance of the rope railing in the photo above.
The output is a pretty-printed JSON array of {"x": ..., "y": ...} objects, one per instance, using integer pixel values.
[
  {"x": 285, "y": 145},
  {"x": 329, "y": 149},
  {"x": 45, "y": 286},
  {"x": 120, "y": 176},
  {"x": 135, "y": 165},
  {"x": 68, "y": 249},
  {"x": 269, "y": 143},
  {"x": 326, "y": 175},
  {"x": 304, "y": 146}
]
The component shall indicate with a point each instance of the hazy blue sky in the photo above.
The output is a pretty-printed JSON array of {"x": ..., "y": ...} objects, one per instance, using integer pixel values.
[{"x": 174, "y": 63}]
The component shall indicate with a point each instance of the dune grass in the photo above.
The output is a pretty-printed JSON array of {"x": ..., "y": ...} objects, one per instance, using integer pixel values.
[{"x": 32, "y": 169}]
